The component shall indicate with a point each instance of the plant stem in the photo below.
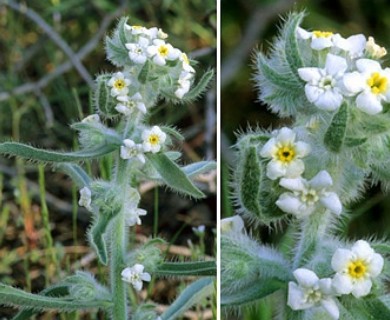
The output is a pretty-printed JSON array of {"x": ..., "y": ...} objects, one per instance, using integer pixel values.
[{"x": 118, "y": 251}]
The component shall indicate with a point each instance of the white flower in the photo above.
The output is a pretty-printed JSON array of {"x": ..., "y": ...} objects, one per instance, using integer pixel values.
[
  {"x": 135, "y": 275},
  {"x": 157, "y": 33},
  {"x": 199, "y": 230},
  {"x": 184, "y": 83},
  {"x": 137, "y": 51},
  {"x": 186, "y": 63},
  {"x": 85, "y": 198},
  {"x": 311, "y": 292},
  {"x": 355, "y": 269},
  {"x": 307, "y": 196},
  {"x": 374, "y": 51},
  {"x": 153, "y": 139},
  {"x": 353, "y": 45},
  {"x": 161, "y": 51},
  {"x": 132, "y": 150},
  {"x": 133, "y": 216},
  {"x": 137, "y": 30},
  {"x": 319, "y": 39},
  {"x": 119, "y": 84},
  {"x": 285, "y": 154},
  {"x": 371, "y": 84},
  {"x": 233, "y": 225},
  {"x": 322, "y": 87},
  {"x": 128, "y": 105},
  {"x": 93, "y": 118}
]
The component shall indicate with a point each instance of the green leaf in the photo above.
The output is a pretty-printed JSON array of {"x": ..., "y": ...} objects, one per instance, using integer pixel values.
[
  {"x": 173, "y": 132},
  {"x": 172, "y": 175},
  {"x": 292, "y": 52},
  {"x": 193, "y": 268},
  {"x": 10, "y": 296},
  {"x": 335, "y": 135},
  {"x": 366, "y": 309},
  {"x": 352, "y": 142},
  {"x": 194, "y": 169},
  {"x": 97, "y": 233},
  {"x": 78, "y": 175},
  {"x": 144, "y": 73},
  {"x": 200, "y": 87},
  {"x": 192, "y": 295},
  {"x": 31, "y": 153},
  {"x": 250, "y": 293}
]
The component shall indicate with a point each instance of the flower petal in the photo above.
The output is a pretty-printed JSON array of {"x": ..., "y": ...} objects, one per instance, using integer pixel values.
[
  {"x": 293, "y": 184},
  {"x": 362, "y": 249},
  {"x": 302, "y": 149},
  {"x": 305, "y": 277},
  {"x": 331, "y": 307},
  {"x": 329, "y": 100},
  {"x": 341, "y": 259},
  {"x": 353, "y": 83},
  {"x": 321, "y": 43},
  {"x": 288, "y": 203},
  {"x": 313, "y": 93},
  {"x": 342, "y": 284},
  {"x": 332, "y": 202},
  {"x": 286, "y": 135},
  {"x": 295, "y": 299},
  {"x": 368, "y": 65},
  {"x": 269, "y": 148},
  {"x": 275, "y": 169},
  {"x": 376, "y": 265},
  {"x": 335, "y": 65},
  {"x": 321, "y": 180},
  {"x": 356, "y": 45},
  {"x": 311, "y": 75},
  {"x": 368, "y": 103},
  {"x": 145, "y": 276},
  {"x": 295, "y": 169},
  {"x": 362, "y": 288}
]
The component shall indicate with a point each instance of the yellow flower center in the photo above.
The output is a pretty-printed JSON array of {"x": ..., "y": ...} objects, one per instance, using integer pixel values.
[
  {"x": 357, "y": 269},
  {"x": 185, "y": 58},
  {"x": 285, "y": 154},
  {"x": 310, "y": 196},
  {"x": 119, "y": 84},
  {"x": 163, "y": 50},
  {"x": 313, "y": 296},
  {"x": 154, "y": 139},
  {"x": 377, "y": 83},
  {"x": 137, "y": 27},
  {"x": 322, "y": 34}
]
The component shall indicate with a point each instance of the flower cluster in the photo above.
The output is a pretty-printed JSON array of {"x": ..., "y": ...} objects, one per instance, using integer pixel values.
[
  {"x": 348, "y": 71},
  {"x": 150, "y": 45},
  {"x": 355, "y": 270},
  {"x": 303, "y": 197}
]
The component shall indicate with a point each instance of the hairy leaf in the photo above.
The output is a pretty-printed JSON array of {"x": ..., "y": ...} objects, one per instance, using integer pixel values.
[{"x": 195, "y": 268}]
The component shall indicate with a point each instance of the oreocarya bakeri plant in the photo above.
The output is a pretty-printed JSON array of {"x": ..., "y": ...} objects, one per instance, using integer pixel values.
[
  {"x": 149, "y": 69},
  {"x": 335, "y": 92}
]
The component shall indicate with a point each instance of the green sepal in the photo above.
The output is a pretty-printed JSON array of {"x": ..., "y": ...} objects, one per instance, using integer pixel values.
[
  {"x": 335, "y": 134},
  {"x": 172, "y": 175},
  {"x": 10, "y": 296},
  {"x": 194, "y": 169},
  {"x": 193, "y": 268},
  {"x": 75, "y": 172},
  {"x": 190, "y": 296},
  {"x": 251, "y": 292},
  {"x": 35, "y": 154}
]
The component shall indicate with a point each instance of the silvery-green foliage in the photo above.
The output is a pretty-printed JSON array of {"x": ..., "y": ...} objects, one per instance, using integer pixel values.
[
  {"x": 342, "y": 144},
  {"x": 149, "y": 69}
]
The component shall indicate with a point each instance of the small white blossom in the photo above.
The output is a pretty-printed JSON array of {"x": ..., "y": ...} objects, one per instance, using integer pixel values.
[
  {"x": 133, "y": 216},
  {"x": 137, "y": 51},
  {"x": 285, "y": 154},
  {"x": 311, "y": 292},
  {"x": 127, "y": 105},
  {"x": 153, "y": 139},
  {"x": 319, "y": 39},
  {"x": 199, "y": 230},
  {"x": 137, "y": 30},
  {"x": 119, "y": 84},
  {"x": 322, "y": 87},
  {"x": 234, "y": 225},
  {"x": 370, "y": 83},
  {"x": 355, "y": 269},
  {"x": 157, "y": 33},
  {"x": 132, "y": 150},
  {"x": 93, "y": 118},
  {"x": 135, "y": 275},
  {"x": 186, "y": 63},
  {"x": 307, "y": 196},
  {"x": 161, "y": 51},
  {"x": 373, "y": 50},
  {"x": 85, "y": 198}
]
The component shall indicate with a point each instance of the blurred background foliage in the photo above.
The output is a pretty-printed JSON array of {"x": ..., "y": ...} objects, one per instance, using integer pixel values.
[
  {"x": 250, "y": 24},
  {"x": 41, "y": 93}
]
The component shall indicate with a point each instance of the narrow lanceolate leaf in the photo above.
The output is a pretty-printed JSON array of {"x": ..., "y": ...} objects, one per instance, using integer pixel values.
[
  {"x": 144, "y": 73},
  {"x": 367, "y": 309},
  {"x": 192, "y": 295},
  {"x": 173, "y": 132},
  {"x": 96, "y": 236},
  {"x": 194, "y": 169},
  {"x": 196, "y": 268},
  {"x": 27, "y": 152},
  {"x": 293, "y": 54},
  {"x": 77, "y": 174},
  {"x": 335, "y": 135},
  {"x": 275, "y": 77},
  {"x": 200, "y": 87},
  {"x": 172, "y": 175},
  {"x": 10, "y": 296},
  {"x": 251, "y": 292}
]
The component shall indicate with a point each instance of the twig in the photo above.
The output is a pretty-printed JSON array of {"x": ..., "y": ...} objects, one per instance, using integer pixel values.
[
  {"x": 66, "y": 66},
  {"x": 255, "y": 26},
  {"x": 54, "y": 36}
]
